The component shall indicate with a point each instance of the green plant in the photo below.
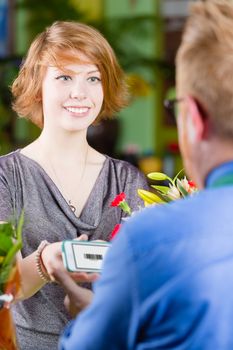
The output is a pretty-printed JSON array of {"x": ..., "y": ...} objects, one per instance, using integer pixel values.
[{"x": 10, "y": 244}]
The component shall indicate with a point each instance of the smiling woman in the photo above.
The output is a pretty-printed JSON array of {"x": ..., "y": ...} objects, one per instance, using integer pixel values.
[
  {"x": 76, "y": 95},
  {"x": 69, "y": 80}
]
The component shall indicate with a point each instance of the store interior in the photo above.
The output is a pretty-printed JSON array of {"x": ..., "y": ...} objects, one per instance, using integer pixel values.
[{"x": 145, "y": 35}]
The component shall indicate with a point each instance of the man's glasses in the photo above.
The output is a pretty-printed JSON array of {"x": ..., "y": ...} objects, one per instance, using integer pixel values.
[{"x": 171, "y": 106}]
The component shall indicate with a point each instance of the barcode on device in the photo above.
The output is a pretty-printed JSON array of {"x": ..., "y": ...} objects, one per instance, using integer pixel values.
[{"x": 93, "y": 256}]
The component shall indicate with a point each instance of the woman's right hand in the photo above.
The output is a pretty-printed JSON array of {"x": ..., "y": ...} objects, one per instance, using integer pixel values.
[{"x": 51, "y": 257}]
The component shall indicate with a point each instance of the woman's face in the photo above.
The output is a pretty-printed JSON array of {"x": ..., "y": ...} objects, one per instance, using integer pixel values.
[{"x": 71, "y": 100}]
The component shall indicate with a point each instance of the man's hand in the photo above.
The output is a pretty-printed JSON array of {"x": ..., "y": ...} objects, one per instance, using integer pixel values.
[{"x": 78, "y": 298}]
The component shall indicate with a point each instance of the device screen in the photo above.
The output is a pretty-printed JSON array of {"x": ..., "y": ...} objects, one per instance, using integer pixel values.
[{"x": 89, "y": 256}]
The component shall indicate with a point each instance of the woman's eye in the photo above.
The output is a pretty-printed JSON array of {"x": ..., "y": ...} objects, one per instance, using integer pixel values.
[
  {"x": 94, "y": 79},
  {"x": 63, "y": 77}
]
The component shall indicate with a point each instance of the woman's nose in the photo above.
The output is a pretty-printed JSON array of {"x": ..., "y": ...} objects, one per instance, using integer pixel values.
[
  {"x": 78, "y": 92},
  {"x": 80, "y": 96}
]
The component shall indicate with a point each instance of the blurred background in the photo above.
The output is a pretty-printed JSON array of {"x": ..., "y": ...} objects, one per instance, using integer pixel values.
[{"x": 145, "y": 35}]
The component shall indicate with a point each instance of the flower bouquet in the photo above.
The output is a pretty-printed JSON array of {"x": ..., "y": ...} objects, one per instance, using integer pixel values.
[
  {"x": 172, "y": 189},
  {"x": 10, "y": 244}
]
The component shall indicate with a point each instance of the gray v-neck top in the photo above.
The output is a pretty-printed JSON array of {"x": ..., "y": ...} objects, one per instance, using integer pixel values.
[{"x": 25, "y": 185}]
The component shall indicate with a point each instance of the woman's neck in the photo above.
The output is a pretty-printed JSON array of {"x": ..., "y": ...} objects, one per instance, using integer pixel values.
[{"x": 69, "y": 147}]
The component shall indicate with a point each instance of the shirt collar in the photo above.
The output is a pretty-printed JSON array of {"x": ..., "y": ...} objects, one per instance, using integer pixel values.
[{"x": 223, "y": 174}]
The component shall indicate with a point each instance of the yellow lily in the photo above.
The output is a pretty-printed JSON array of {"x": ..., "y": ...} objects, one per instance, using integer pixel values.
[{"x": 149, "y": 197}]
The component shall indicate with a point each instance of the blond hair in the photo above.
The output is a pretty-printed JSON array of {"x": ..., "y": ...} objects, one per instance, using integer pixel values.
[
  {"x": 205, "y": 62},
  {"x": 61, "y": 44}
]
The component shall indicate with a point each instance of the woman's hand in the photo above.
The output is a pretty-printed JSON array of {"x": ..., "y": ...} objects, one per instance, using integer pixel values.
[
  {"x": 52, "y": 260},
  {"x": 51, "y": 257}
]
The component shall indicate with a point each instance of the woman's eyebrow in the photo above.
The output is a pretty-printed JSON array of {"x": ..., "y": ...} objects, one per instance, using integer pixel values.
[
  {"x": 71, "y": 71},
  {"x": 93, "y": 71},
  {"x": 64, "y": 71}
]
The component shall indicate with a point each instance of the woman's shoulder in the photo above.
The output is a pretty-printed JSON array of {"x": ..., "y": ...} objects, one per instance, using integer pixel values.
[
  {"x": 124, "y": 169},
  {"x": 8, "y": 160},
  {"x": 120, "y": 164},
  {"x": 8, "y": 167}
]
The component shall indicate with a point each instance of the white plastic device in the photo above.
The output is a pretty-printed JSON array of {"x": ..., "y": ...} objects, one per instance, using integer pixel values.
[{"x": 83, "y": 256}]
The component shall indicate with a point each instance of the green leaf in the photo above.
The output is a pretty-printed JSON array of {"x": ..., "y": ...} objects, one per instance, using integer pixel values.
[
  {"x": 162, "y": 189},
  {"x": 176, "y": 177},
  {"x": 6, "y": 229},
  {"x": 12, "y": 252},
  {"x": 125, "y": 207},
  {"x": 181, "y": 188},
  {"x": 19, "y": 228},
  {"x": 17, "y": 244},
  {"x": 164, "y": 197},
  {"x": 5, "y": 244}
]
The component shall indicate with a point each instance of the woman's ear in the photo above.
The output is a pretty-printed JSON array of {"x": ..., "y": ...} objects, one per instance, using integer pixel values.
[{"x": 196, "y": 122}]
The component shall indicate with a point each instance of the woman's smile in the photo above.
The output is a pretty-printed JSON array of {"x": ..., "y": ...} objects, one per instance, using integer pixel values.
[{"x": 79, "y": 111}]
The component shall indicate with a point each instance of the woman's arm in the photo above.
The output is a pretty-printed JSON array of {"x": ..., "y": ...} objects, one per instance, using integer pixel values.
[
  {"x": 31, "y": 281},
  {"x": 51, "y": 258}
]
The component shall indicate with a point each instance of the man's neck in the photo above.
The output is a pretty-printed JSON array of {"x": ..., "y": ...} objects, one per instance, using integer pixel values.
[{"x": 212, "y": 155}]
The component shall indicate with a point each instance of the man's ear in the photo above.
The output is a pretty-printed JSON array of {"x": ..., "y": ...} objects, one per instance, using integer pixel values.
[{"x": 196, "y": 123}]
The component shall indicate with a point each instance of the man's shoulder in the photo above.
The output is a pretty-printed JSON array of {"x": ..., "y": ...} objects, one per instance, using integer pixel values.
[
  {"x": 165, "y": 240},
  {"x": 161, "y": 214},
  {"x": 179, "y": 219}
]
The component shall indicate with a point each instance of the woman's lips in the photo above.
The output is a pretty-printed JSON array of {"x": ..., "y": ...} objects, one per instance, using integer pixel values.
[{"x": 79, "y": 111}]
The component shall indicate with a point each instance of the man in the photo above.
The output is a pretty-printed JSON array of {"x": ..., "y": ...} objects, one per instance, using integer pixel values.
[{"x": 167, "y": 281}]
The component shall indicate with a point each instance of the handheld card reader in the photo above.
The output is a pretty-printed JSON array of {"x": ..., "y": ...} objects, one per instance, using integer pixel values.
[{"x": 84, "y": 256}]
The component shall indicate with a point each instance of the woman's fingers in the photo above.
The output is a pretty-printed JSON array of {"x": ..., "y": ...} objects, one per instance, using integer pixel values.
[
  {"x": 83, "y": 237},
  {"x": 52, "y": 260}
]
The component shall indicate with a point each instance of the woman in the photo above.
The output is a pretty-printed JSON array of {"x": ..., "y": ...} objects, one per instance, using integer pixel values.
[{"x": 69, "y": 80}]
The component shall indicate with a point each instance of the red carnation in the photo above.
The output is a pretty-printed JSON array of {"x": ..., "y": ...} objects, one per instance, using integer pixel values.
[
  {"x": 118, "y": 199},
  {"x": 115, "y": 231}
]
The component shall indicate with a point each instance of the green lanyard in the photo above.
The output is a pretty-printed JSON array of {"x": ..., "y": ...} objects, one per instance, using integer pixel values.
[{"x": 223, "y": 181}]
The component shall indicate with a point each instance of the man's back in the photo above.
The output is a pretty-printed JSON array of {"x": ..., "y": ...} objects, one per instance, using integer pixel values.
[
  {"x": 167, "y": 281},
  {"x": 184, "y": 272}
]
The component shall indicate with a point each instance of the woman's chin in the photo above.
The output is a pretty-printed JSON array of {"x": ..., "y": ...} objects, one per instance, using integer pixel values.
[{"x": 76, "y": 124}]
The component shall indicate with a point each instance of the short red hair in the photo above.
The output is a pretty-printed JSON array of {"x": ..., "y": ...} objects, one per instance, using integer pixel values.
[{"x": 61, "y": 44}]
